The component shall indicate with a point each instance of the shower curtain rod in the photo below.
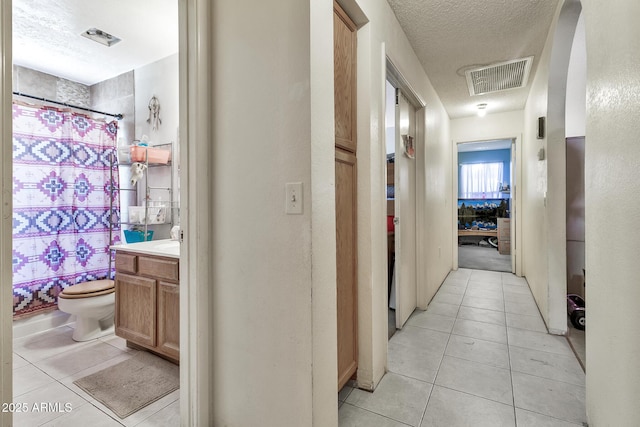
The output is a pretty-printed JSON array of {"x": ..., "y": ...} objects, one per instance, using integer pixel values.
[{"x": 117, "y": 116}]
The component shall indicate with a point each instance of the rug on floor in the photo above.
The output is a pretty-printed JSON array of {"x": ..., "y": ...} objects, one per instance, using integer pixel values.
[{"x": 133, "y": 384}]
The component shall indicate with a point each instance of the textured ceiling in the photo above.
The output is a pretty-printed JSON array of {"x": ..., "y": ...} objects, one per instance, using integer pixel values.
[
  {"x": 46, "y": 36},
  {"x": 450, "y": 36}
]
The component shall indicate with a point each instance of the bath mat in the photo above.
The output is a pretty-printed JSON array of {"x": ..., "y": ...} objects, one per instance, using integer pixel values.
[{"x": 133, "y": 384}]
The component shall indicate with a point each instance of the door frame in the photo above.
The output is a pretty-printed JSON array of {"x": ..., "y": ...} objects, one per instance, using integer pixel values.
[
  {"x": 6, "y": 174},
  {"x": 402, "y": 226},
  {"x": 516, "y": 200},
  {"x": 196, "y": 68},
  {"x": 195, "y": 130},
  {"x": 399, "y": 82}
]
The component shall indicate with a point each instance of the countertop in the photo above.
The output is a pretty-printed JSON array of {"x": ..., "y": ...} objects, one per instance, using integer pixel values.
[{"x": 166, "y": 247}]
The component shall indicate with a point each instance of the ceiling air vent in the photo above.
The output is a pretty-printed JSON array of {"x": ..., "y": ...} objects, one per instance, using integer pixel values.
[
  {"x": 500, "y": 76},
  {"x": 101, "y": 37}
]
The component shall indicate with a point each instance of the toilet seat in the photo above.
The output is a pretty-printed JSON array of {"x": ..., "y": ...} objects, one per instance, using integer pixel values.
[{"x": 88, "y": 289}]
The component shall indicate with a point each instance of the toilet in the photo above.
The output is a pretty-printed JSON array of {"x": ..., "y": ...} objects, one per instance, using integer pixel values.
[{"x": 93, "y": 304}]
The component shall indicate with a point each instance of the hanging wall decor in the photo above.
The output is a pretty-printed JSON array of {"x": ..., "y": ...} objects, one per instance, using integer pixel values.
[
  {"x": 409, "y": 150},
  {"x": 154, "y": 113}
]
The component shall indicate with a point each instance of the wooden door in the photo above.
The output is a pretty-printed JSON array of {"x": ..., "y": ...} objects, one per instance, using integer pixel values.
[
  {"x": 346, "y": 247},
  {"x": 169, "y": 319},
  {"x": 344, "y": 67},
  {"x": 135, "y": 316},
  {"x": 346, "y": 194}
]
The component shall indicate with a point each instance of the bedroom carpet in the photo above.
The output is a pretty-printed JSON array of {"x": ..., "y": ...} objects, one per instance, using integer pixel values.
[{"x": 483, "y": 258}]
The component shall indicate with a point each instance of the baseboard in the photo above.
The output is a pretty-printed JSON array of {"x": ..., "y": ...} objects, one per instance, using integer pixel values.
[
  {"x": 40, "y": 323},
  {"x": 558, "y": 332}
]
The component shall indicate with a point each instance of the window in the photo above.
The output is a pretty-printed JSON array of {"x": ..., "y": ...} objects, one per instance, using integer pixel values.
[{"x": 480, "y": 180}]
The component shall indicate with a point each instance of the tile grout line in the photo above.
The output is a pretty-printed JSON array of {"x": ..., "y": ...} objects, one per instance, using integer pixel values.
[
  {"x": 513, "y": 390},
  {"x": 443, "y": 353},
  {"x": 375, "y": 413},
  {"x": 475, "y": 395},
  {"x": 59, "y": 382},
  {"x": 89, "y": 402}
]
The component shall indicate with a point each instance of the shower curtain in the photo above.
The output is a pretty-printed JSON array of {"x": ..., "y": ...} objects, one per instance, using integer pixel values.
[{"x": 65, "y": 203}]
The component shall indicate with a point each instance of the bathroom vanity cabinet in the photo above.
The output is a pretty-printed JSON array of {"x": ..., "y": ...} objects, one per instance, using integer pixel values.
[{"x": 147, "y": 312}]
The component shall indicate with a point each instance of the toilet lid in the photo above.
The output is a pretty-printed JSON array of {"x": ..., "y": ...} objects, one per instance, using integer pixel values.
[{"x": 88, "y": 289}]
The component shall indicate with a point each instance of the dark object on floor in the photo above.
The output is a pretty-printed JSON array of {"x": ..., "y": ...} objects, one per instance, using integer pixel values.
[{"x": 576, "y": 311}]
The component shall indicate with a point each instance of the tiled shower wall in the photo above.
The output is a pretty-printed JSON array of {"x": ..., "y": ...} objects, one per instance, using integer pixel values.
[
  {"x": 115, "y": 95},
  {"x": 118, "y": 95},
  {"x": 36, "y": 83}
]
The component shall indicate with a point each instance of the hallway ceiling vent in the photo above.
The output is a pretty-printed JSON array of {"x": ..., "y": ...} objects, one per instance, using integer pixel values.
[{"x": 506, "y": 75}]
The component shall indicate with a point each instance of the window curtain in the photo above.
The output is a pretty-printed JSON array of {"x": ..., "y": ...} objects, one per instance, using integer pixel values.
[
  {"x": 480, "y": 180},
  {"x": 65, "y": 204}
]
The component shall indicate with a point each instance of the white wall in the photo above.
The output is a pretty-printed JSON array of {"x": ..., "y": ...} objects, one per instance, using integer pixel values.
[
  {"x": 508, "y": 125},
  {"x": 379, "y": 37},
  {"x": 262, "y": 276},
  {"x": 577, "y": 84},
  {"x": 544, "y": 192},
  {"x": 575, "y": 127},
  {"x": 273, "y": 344},
  {"x": 159, "y": 79},
  {"x": 612, "y": 193},
  {"x": 323, "y": 226},
  {"x": 492, "y": 126},
  {"x": 534, "y": 187}
]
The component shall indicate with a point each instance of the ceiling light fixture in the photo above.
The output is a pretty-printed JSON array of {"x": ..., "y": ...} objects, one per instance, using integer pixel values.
[
  {"x": 482, "y": 110},
  {"x": 101, "y": 37}
]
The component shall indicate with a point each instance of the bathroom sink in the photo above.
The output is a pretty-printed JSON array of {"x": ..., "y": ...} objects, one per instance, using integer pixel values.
[
  {"x": 169, "y": 247},
  {"x": 166, "y": 247},
  {"x": 173, "y": 244}
]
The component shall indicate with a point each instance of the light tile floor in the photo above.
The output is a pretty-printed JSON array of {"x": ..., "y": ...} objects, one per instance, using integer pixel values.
[
  {"x": 44, "y": 368},
  {"x": 480, "y": 355}
]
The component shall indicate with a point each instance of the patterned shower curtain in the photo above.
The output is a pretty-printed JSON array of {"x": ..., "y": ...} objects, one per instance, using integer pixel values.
[{"x": 65, "y": 203}]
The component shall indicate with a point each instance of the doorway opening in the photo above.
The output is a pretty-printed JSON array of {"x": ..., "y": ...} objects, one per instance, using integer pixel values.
[
  {"x": 156, "y": 77},
  {"x": 485, "y": 204},
  {"x": 390, "y": 143},
  {"x": 404, "y": 137}
]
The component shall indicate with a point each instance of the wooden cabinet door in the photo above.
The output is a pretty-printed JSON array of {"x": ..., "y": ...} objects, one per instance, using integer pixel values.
[
  {"x": 135, "y": 317},
  {"x": 344, "y": 31},
  {"x": 346, "y": 266},
  {"x": 169, "y": 319},
  {"x": 344, "y": 69}
]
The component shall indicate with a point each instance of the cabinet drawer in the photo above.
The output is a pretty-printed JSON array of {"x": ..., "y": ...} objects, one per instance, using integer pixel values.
[
  {"x": 126, "y": 263},
  {"x": 160, "y": 268}
]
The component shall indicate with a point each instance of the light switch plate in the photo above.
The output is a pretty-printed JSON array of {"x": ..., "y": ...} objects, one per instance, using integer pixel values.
[{"x": 293, "y": 198}]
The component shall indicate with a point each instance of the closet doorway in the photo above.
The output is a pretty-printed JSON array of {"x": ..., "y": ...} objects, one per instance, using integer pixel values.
[{"x": 485, "y": 205}]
